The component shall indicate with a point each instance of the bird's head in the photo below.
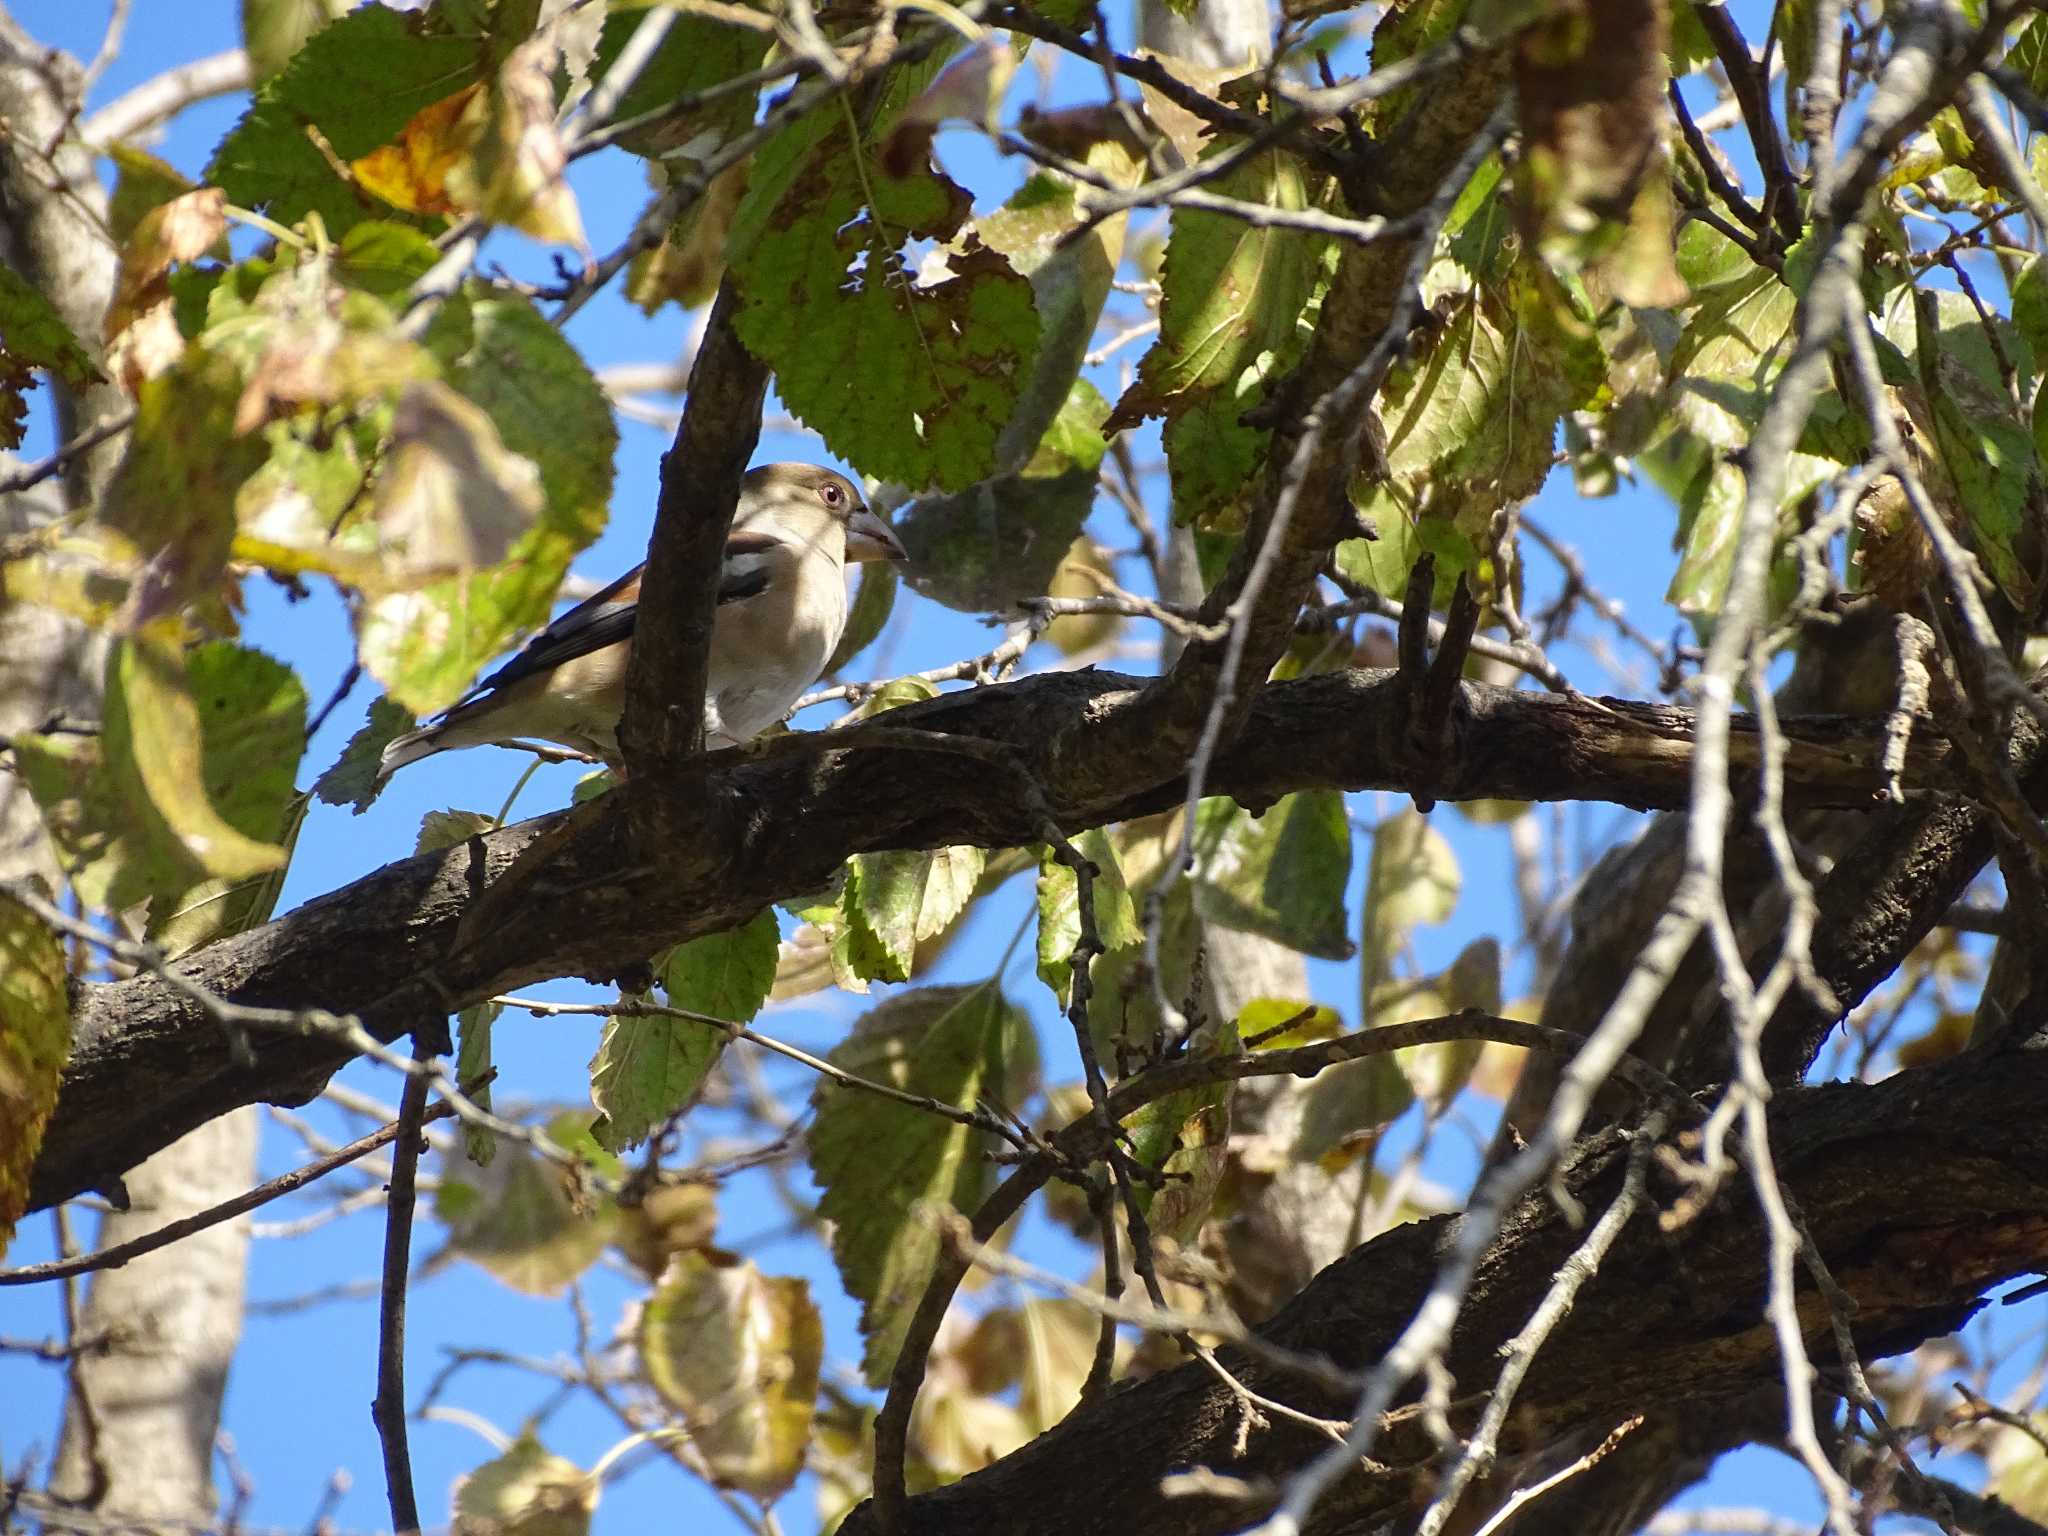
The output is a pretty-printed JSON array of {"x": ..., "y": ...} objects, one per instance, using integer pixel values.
[{"x": 805, "y": 496}]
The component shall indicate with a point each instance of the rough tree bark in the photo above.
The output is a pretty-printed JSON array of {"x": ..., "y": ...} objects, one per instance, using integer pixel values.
[{"x": 1673, "y": 1317}]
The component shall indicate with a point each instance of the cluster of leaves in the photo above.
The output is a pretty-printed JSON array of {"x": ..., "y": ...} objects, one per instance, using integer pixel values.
[{"x": 331, "y": 407}]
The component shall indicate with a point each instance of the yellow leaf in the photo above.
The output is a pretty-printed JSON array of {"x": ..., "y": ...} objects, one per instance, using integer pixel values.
[{"x": 412, "y": 172}]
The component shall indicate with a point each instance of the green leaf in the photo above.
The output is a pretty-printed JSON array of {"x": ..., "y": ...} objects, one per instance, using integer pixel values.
[
  {"x": 352, "y": 781},
  {"x": 645, "y": 1069},
  {"x": 173, "y": 496},
  {"x": 895, "y": 900},
  {"x": 736, "y": 1354},
  {"x": 1071, "y": 262},
  {"x": 697, "y": 52},
  {"x": 1347, "y": 1107},
  {"x": 1305, "y": 1023},
  {"x": 450, "y": 829},
  {"x": 2029, "y": 53},
  {"x": 356, "y": 83},
  {"x": 525, "y": 1491},
  {"x": 2019, "y": 1470},
  {"x": 1987, "y": 453},
  {"x": 383, "y": 258},
  {"x": 1471, "y": 421},
  {"x": 819, "y": 244},
  {"x": 989, "y": 547},
  {"x": 1438, "y": 1072},
  {"x": 1234, "y": 314},
  {"x": 1413, "y": 879},
  {"x": 216, "y": 909},
  {"x": 186, "y": 792},
  {"x": 1059, "y": 909},
  {"x": 426, "y": 646},
  {"x": 35, "y": 335},
  {"x": 726, "y": 975},
  {"x": 473, "y": 1071},
  {"x": 1185, "y": 1137},
  {"x": 1124, "y": 1013},
  {"x": 532, "y": 1223},
  {"x": 35, "y": 1042},
  {"x": 1282, "y": 874},
  {"x": 1403, "y": 32},
  {"x": 877, "y": 1162}
]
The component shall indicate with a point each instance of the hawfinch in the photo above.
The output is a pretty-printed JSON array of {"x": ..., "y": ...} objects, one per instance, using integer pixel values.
[{"x": 781, "y": 610}]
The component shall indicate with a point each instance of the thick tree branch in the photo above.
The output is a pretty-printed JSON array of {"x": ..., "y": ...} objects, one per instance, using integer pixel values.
[
  {"x": 437, "y": 931},
  {"x": 700, "y": 487},
  {"x": 1675, "y": 1318}
]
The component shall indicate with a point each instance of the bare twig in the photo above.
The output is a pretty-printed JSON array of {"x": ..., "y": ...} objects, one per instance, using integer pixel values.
[
  {"x": 387, "y": 1409},
  {"x": 262, "y": 1194}
]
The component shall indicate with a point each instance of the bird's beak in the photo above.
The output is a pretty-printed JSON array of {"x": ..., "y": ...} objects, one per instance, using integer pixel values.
[{"x": 869, "y": 537}]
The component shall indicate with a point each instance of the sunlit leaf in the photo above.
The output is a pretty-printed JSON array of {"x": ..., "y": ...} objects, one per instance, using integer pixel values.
[
  {"x": 1439, "y": 1072},
  {"x": 513, "y": 173},
  {"x": 819, "y": 241},
  {"x": 736, "y": 1353},
  {"x": 274, "y": 30},
  {"x": 355, "y": 85},
  {"x": 645, "y": 1069},
  {"x": 35, "y": 1042},
  {"x": 426, "y": 646},
  {"x": 1071, "y": 261},
  {"x": 527, "y": 1491},
  {"x": 2019, "y": 1467},
  {"x": 412, "y": 172},
  {"x": 1231, "y": 319},
  {"x": 893, "y": 900},
  {"x": 1059, "y": 909},
  {"x": 188, "y": 784},
  {"x": 1299, "y": 1023},
  {"x": 451, "y": 499},
  {"x": 532, "y": 1223}
]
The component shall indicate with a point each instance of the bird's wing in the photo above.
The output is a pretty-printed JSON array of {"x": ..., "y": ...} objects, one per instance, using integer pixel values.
[{"x": 608, "y": 615}]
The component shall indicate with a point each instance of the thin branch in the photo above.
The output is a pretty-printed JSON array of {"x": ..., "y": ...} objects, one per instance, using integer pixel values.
[
  {"x": 387, "y": 1409},
  {"x": 227, "y": 1210},
  {"x": 978, "y": 1119},
  {"x": 164, "y": 96}
]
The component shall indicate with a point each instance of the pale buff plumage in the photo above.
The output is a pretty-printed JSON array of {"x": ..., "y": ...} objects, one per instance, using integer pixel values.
[{"x": 782, "y": 609}]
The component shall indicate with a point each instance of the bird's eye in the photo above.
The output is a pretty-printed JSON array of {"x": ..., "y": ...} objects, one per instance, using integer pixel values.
[{"x": 832, "y": 494}]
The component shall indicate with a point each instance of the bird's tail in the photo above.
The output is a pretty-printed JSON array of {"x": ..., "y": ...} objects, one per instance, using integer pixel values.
[{"x": 409, "y": 748}]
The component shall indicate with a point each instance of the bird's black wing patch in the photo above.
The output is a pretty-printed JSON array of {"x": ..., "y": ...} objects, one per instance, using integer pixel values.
[
  {"x": 608, "y": 616},
  {"x": 604, "y": 618},
  {"x": 742, "y": 585},
  {"x": 739, "y": 582}
]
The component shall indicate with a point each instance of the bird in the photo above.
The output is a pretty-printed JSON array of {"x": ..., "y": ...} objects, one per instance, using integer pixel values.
[{"x": 781, "y": 611}]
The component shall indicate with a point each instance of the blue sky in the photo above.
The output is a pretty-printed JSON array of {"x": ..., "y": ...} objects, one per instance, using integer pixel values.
[{"x": 297, "y": 1403}]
